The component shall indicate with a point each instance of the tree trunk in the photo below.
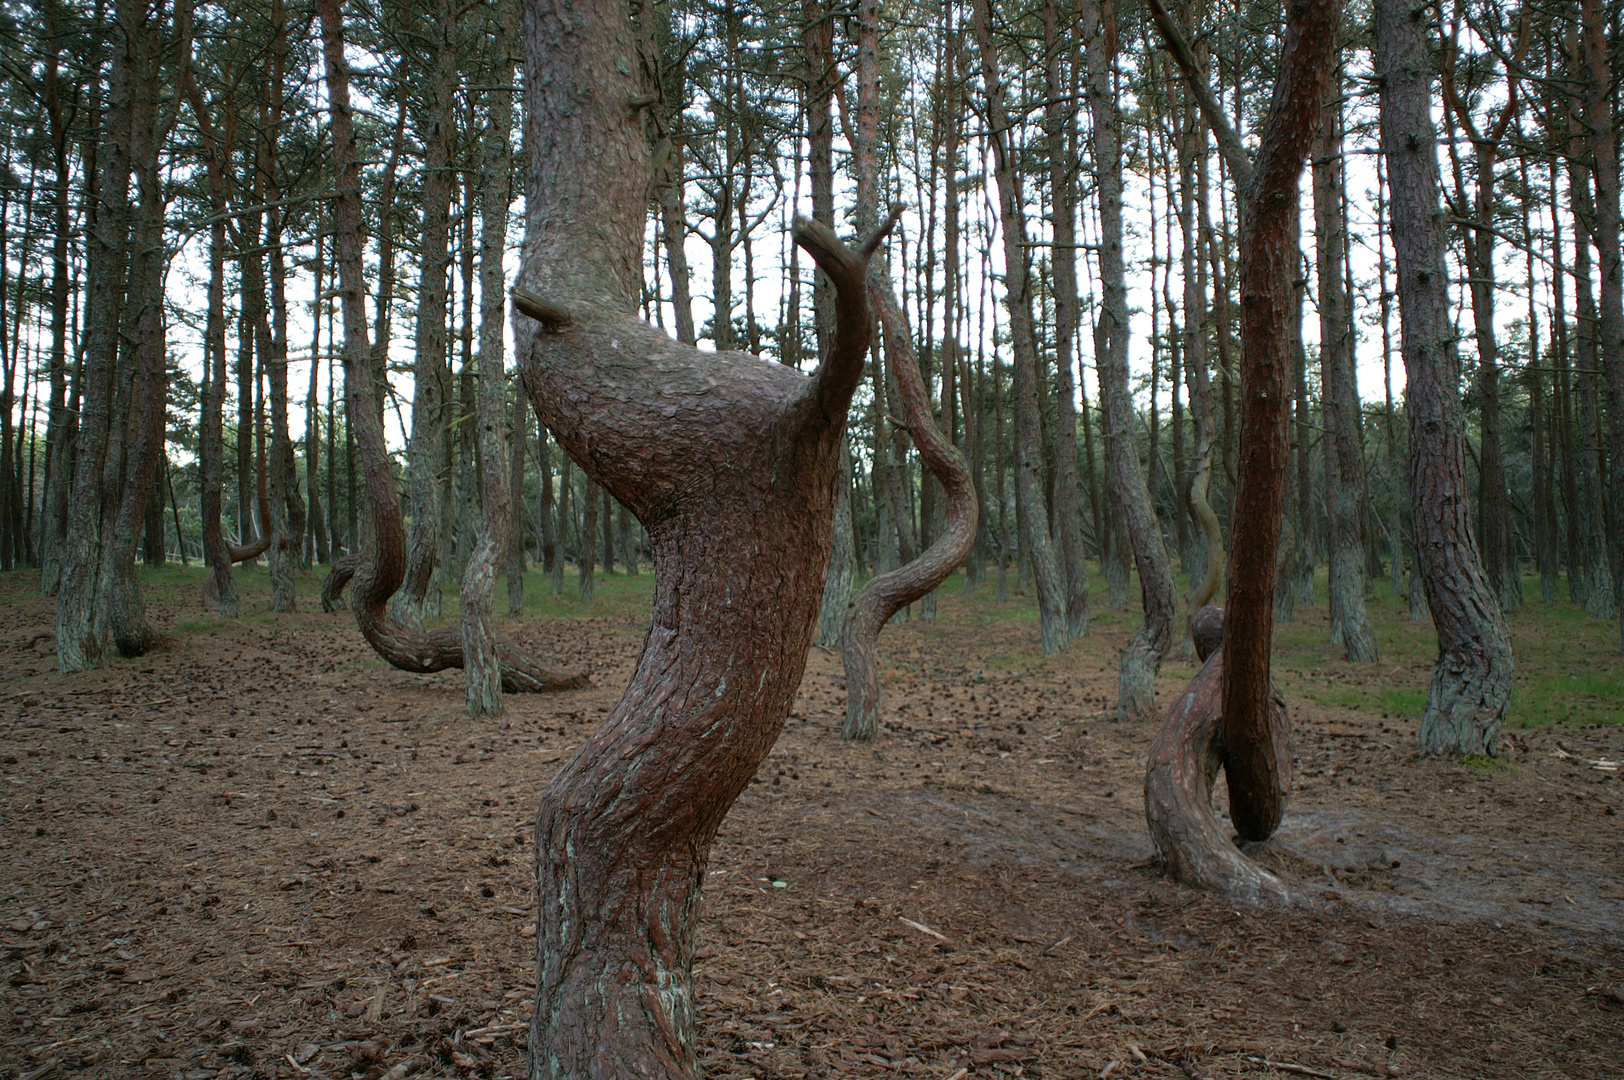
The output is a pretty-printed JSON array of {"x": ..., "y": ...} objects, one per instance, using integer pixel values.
[
  {"x": 320, "y": 551},
  {"x": 1142, "y": 657},
  {"x": 481, "y": 664},
  {"x": 1471, "y": 682},
  {"x": 1344, "y": 458},
  {"x": 1601, "y": 119},
  {"x": 736, "y": 488},
  {"x": 60, "y": 426},
  {"x": 516, "y": 549},
  {"x": 886, "y": 594},
  {"x": 1257, "y": 770},
  {"x": 1062, "y": 184},
  {"x": 1184, "y": 762},
  {"x": 379, "y": 574},
  {"x": 587, "y": 550},
  {"x": 1037, "y": 546},
  {"x": 1193, "y": 182},
  {"x": 420, "y": 594},
  {"x": 81, "y": 620}
]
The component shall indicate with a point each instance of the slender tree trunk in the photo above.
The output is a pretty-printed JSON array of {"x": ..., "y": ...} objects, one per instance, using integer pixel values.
[
  {"x": 1600, "y": 594},
  {"x": 1062, "y": 184},
  {"x": 1471, "y": 682},
  {"x": 312, "y": 440},
  {"x": 1037, "y": 545},
  {"x": 1196, "y": 326},
  {"x": 1142, "y": 657},
  {"x": 420, "y": 595},
  {"x": 1601, "y": 119},
  {"x": 481, "y": 664},
  {"x": 587, "y": 550},
  {"x": 516, "y": 549},
  {"x": 1344, "y": 458},
  {"x": 886, "y": 594}
]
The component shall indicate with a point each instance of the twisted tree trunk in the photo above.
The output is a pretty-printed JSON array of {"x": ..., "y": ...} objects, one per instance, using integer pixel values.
[
  {"x": 1184, "y": 761},
  {"x": 380, "y": 573},
  {"x": 886, "y": 594},
  {"x": 1471, "y": 682},
  {"x": 1258, "y": 772},
  {"x": 730, "y": 464}
]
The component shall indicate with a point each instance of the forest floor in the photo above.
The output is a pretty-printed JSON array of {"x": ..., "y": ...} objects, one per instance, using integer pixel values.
[{"x": 258, "y": 852}]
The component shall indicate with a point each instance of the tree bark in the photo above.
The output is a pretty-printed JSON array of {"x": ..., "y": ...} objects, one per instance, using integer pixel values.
[
  {"x": 1601, "y": 119},
  {"x": 1258, "y": 775},
  {"x": 1062, "y": 185},
  {"x": 722, "y": 458},
  {"x": 81, "y": 614},
  {"x": 481, "y": 664},
  {"x": 420, "y": 594},
  {"x": 516, "y": 455},
  {"x": 1184, "y": 761},
  {"x": 1471, "y": 681}
]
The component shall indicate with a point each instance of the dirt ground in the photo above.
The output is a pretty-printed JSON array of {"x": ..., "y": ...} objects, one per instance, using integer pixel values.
[{"x": 258, "y": 852}]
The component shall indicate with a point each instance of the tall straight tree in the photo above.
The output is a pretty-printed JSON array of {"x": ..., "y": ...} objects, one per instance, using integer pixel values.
[
  {"x": 1472, "y": 679},
  {"x": 1031, "y": 504},
  {"x": 1601, "y": 118},
  {"x": 1142, "y": 656},
  {"x": 481, "y": 663},
  {"x": 1344, "y": 457},
  {"x": 1060, "y": 137},
  {"x": 419, "y": 597}
]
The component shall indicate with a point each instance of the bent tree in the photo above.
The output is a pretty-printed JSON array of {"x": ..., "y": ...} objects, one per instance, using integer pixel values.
[
  {"x": 731, "y": 464},
  {"x": 382, "y": 567},
  {"x": 1257, "y": 765}
]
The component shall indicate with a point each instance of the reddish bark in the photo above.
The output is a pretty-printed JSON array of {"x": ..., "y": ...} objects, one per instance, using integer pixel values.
[
  {"x": 1258, "y": 776},
  {"x": 1184, "y": 761},
  {"x": 887, "y": 594}
]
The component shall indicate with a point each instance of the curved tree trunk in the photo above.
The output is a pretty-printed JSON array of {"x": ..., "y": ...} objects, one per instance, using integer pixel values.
[
  {"x": 1257, "y": 770},
  {"x": 887, "y": 594},
  {"x": 384, "y": 565},
  {"x": 338, "y": 579},
  {"x": 1184, "y": 761},
  {"x": 1471, "y": 682},
  {"x": 731, "y": 465}
]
